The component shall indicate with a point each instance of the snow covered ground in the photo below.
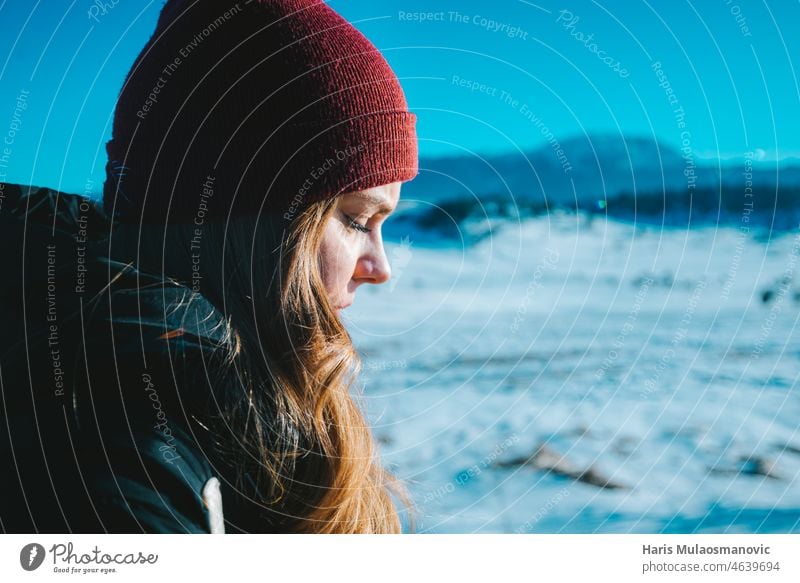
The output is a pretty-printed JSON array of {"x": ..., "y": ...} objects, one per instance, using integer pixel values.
[{"x": 664, "y": 360}]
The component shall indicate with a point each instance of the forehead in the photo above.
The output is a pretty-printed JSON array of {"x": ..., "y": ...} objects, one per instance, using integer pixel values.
[{"x": 382, "y": 199}]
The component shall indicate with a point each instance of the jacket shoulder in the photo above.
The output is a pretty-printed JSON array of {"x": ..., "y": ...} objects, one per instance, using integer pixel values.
[
  {"x": 108, "y": 373},
  {"x": 152, "y": 481}
]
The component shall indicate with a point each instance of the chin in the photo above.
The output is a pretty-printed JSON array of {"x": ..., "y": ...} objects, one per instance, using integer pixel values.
[{"x": 340, "y": 307}]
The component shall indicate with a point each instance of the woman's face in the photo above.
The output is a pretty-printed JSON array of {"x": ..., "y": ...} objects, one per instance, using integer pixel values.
[{"x": 351, "y": 251}]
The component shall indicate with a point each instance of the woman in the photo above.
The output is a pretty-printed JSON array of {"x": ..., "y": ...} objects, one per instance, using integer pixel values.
[{"x": 188, "y": 371}]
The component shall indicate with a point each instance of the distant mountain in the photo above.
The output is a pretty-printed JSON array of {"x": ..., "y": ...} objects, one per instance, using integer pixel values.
[{"x": 625, "y": 177}]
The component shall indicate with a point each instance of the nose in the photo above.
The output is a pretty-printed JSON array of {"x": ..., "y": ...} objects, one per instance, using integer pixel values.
[{"x": 373, "y": 265}]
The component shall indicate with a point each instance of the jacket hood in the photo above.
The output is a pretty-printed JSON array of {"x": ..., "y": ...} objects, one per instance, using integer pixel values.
[{"x": 106, "y": 375}]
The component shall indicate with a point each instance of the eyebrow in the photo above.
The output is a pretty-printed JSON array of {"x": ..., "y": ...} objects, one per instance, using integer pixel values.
[{"x": 378, "y": 201}]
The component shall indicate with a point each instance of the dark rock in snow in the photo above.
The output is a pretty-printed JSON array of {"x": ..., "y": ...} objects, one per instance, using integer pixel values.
[
  {"x": 748, "y": 466},
  {"x": 759, "y": 466},
  {"x": 545, "y": 458}
]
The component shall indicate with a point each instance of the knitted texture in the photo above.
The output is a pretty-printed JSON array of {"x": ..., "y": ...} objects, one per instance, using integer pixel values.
[{"x": 234, "y": 108}]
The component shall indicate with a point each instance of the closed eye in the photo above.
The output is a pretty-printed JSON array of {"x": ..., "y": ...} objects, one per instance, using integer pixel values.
[{"x": 351, "y": 222}]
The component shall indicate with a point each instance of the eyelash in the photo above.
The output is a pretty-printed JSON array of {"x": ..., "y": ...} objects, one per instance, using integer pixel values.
[{"x": 354, "y": 225}]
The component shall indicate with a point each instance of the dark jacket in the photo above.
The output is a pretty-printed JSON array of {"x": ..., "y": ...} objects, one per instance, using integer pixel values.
[{"x": 107, "y": 375}]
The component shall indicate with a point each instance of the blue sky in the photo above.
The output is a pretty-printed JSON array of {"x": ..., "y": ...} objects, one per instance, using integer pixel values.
[{"x": 482, "y": 76}]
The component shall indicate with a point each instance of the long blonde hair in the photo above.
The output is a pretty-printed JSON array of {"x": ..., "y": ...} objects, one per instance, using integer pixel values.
[{"x": 297, "y": 442}]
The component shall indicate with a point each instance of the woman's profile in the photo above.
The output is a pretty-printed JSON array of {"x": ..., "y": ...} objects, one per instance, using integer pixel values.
[{"x": 176, "y": 359}]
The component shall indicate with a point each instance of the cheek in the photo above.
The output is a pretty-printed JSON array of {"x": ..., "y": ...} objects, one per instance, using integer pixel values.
[{"x": 337, "y": 260}]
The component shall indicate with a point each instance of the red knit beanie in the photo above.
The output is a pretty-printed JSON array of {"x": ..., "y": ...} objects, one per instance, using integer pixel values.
[{"x": 240, "y": 108}]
